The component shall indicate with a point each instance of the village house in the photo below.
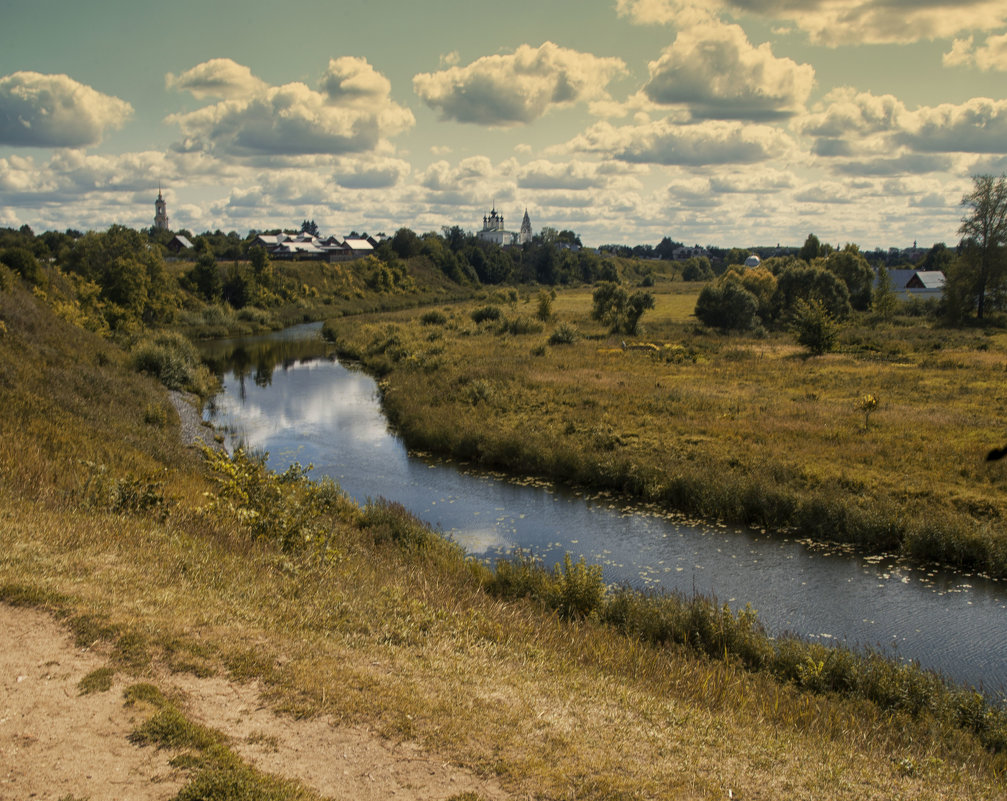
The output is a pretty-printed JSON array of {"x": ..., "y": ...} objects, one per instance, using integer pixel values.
[
  {"x": 306, "y": 246},
  {"x": 178, "y": 243},
  {"x": 917, "y": 283}
]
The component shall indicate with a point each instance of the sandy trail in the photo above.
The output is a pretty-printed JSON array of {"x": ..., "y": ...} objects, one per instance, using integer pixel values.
[{"x": 55, "y": 742}]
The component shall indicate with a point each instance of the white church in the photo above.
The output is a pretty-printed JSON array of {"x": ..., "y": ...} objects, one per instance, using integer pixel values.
[{"x": 493, "y": 230}]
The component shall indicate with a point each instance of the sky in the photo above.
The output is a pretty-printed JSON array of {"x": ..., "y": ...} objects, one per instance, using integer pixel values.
[{"x": 713, "y": 122}]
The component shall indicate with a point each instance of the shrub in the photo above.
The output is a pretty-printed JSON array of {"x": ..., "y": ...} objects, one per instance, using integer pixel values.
[
  {"x": 479, "y": 391},
  {"x": 697, "y": 269},
  {"x": 578, "y": 589},
  {"x": 392, "y": 522},
  {"x": 814, "y": 327},
  {"x": 484, "y": 313},
  {"x": 173, "y": 360},
  {"x": 618, "y": 309},
  {"x": 564, "y": 334},
  {"x": 545, "y": 304},
  {"x": 161, "y": 362},
  {"x": 433, "y": 317},
  {"x": 286, "y": 508},
  {"x": 521, "y": 325},
  {"x": 727, "y": 307}
]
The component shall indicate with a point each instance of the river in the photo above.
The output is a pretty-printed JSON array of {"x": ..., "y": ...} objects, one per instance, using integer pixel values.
[{"x": 284, "y": 394}]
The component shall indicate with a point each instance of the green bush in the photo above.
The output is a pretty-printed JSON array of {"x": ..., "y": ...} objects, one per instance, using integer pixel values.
[
  {"x": 173, "y": 360},
  {"x": 285, "y": 508},
  {"x": 577, "y": 590},
  {"x": 814, "y": 327},
  {"x": 564, "y": 334},
  {"x": 728, "y": 307},
  {"x": 433, "y": 317},
  {"x": 520, "y": 325},
  {"x": 484, "y": 313}
]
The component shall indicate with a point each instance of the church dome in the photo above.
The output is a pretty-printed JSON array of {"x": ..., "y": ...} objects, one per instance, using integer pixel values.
[{"x": 753, "y": 261}]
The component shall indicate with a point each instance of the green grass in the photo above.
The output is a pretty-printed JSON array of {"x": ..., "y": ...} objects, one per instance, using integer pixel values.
[
  {"x": 216, "y": 773},
  {"x": 97, "y": 681}
]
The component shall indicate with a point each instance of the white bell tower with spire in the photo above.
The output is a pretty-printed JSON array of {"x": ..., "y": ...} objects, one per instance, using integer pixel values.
[{"x": 160, "y": 212}]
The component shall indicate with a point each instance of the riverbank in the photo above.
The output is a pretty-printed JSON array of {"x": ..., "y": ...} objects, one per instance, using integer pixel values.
[
  {"x": 744, "y": 430},
  {"x": 360, "y": 617}
]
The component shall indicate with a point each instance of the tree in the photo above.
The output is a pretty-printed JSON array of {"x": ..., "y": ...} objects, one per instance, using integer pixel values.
[
  {"x": 619, "y": 310},
  {"x": 884, "y": 301},
  {"x": 637, "y": 304},
  {"x": 406, "y": 243},
  {"x": 309, "y": 227},
  {"x": 728, "y": 305},
  {"x": 985, "y": 227},
  {"x": 666, "y": 249},
  {"x": 814, "y": 327},
  {"x": 206, "y": 276},
  {"x": 23, "y": 261},
  {"x": 797, "y": 283},
  {"x": 812, "y": 249},
  {"x": 855, "y": 272}
]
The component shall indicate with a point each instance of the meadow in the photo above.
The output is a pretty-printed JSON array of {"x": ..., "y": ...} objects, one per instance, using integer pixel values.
[
  {"x": 172, "y": 560},
  {"x": 881, "y": 443}
]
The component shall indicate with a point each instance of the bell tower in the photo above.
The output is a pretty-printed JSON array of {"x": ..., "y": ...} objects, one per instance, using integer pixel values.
[
  {"x": 525, "y": 236},
  {"x": 160, "y": 212}
]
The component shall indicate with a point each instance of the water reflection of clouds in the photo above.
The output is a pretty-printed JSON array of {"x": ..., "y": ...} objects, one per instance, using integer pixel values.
[
  {"x": 482, "y": 540},
  {"x": 306, "y": 400}
]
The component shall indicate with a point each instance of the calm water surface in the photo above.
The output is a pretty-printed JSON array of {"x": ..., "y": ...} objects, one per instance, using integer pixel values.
[{"x": 284, "y": 395}]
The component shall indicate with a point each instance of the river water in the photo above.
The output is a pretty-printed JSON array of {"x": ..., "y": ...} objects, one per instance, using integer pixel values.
[{"x": 284, "y": 394}]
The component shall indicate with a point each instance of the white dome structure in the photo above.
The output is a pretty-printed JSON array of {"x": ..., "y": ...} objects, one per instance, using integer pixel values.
[{"x": 753, "y": 261}]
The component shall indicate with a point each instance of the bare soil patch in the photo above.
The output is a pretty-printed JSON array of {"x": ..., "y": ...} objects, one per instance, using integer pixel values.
[{"x": 56, "y": 742}]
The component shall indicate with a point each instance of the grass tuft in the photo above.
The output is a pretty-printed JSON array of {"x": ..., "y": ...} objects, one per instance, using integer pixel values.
[{"x": 97, "y": 681}]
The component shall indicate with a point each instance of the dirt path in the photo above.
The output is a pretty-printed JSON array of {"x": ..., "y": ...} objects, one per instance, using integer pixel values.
[{"x": 55, "y": 742}]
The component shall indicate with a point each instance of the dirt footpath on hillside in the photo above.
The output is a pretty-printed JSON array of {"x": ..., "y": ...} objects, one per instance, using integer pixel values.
[{"x": 55, "y": 742}]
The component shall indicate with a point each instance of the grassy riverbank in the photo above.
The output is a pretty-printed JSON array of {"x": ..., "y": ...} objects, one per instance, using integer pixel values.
[
  {"x": 550, "y": 685},
  {"x": 739, "y": 428}
]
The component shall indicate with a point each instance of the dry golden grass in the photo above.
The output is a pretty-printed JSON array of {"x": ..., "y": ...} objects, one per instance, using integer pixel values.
[{"x": 558, "y": 709}]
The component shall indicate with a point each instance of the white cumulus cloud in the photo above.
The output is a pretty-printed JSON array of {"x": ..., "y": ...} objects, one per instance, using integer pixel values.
[
  {"x": 351, "y": 80},
  {"x": 718, "y": 73},
  {"x": 218, "y": 77},
  {"x": 839, "y": 22},
  {"x": 992, "y": 55},
  {"x": 504, "y": 90},
  {"x": 353, "y": 114},
  {"x": 40, "y": 110},
  {"x": 978, "y": 125},
  {"x": 666, "y": 142}
]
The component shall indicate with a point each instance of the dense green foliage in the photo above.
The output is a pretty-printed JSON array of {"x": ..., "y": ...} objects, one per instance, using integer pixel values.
[{"x": 619, "y": 309}]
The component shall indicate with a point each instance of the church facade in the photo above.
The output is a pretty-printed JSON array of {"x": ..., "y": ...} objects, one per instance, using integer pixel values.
[{"x": 493, "y": 230}]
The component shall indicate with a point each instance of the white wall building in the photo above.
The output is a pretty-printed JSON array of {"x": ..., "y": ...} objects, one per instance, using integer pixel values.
[{"x": 493, "y": 230}]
